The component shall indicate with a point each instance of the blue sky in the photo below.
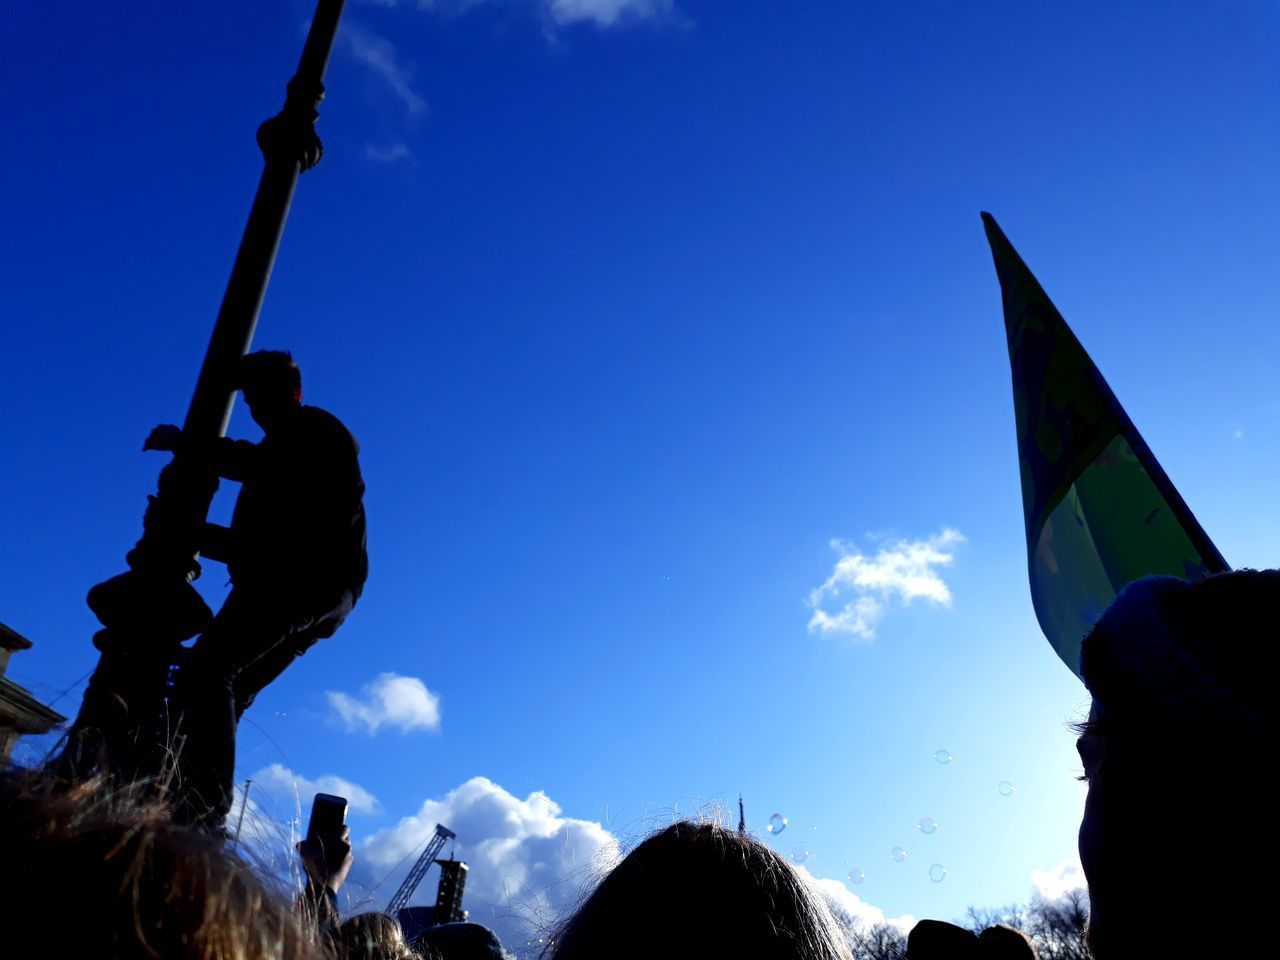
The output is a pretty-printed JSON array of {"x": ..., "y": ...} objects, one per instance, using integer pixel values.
[{"x": 635, "y": 307}]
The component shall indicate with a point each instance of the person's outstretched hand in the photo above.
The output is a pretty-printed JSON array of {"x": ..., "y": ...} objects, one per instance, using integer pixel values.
[
  {"x": 164, "y": 437},
  {"x": 328, "y": 862}
]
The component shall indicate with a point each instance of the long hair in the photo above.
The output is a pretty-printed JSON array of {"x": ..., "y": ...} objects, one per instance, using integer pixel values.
[{"x": 697, "y": 890}]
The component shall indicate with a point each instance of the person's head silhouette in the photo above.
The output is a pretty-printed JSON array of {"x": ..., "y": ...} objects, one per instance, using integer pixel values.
[
  {"x": 272, "y": 385},
  {"x": 698, "y": 890},
  {"x": 372, "y": 936},
  {"x": 1178, "y": 752},
  {"x": 141, "y": 886}
]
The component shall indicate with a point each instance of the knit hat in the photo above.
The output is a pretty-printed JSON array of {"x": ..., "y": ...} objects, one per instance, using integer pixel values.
[{"x": 1176, "y": 655}]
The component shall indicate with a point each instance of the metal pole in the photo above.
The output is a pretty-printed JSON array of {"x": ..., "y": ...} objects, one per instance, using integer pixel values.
[
  {"x": 148, "y": 611},
  {"x": 235, "y": 843},
  {"x": 289, "y": 145}
]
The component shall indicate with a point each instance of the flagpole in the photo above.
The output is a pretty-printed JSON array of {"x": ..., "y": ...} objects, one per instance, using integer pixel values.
[{"x": 149, "y": 610}]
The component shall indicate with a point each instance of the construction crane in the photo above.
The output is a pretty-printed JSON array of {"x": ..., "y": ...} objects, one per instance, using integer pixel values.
[{"x": 401, "y": 898}]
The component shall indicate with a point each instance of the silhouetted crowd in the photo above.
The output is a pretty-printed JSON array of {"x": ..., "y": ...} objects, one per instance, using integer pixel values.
[
  {"x": 1179, "y": 750},
  {"x": 1176, "y": 841}
]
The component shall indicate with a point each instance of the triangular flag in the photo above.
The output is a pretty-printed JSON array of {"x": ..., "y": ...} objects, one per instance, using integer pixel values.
[{"x": 1100, "y": 511}]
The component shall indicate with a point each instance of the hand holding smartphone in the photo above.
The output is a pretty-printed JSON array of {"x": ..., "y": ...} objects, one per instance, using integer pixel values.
[
  {"x": 328, "y": 815},
  {"x": 326, "y": 851}
]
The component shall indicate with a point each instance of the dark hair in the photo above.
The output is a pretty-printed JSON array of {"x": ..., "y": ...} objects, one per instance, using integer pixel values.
[
  {"x": 271, "y": 371},
  {"x": 94, "y": 863},
  {"x": 701, "y": 890}
]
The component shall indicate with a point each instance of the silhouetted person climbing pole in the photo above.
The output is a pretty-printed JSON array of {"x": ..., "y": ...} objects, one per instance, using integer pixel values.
[
  {"x": 148, "y": 611},
  {"x": 296, "y": 554}
]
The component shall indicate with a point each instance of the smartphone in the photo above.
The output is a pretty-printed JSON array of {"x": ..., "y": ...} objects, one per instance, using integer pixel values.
[{"x": 328, "y": 814}]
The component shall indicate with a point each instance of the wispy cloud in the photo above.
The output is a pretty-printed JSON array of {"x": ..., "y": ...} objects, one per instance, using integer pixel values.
[
  {"x": 607, "y": 13},
  {"x": 388, "y": 153},
  {"x": 386, "y": 61},
  {"x": 603, "y": 14},
  {"x": 900, "y": 573},
  {"x": 381, "y": 56},
  {"x": 391, "y": 700}
]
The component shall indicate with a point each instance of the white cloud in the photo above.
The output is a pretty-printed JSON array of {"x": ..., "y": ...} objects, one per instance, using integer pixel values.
[
  {"x": 391, "y": 700},
  {"x": 529, "y": 864},
  {"x": 1060, "y": 880},
  {"x": 850, "y": 909},
  {"x": 381, "y": 56},
  {"x": 900, "y": 573},
  {"x": 389, "y": 153}
]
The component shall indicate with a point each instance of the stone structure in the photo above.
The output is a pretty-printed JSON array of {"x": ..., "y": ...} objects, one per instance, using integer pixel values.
[{"x": 19, "y": 711}]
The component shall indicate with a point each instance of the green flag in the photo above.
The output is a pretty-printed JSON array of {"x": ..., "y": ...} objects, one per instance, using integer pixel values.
[{"x": 1100, "y": 512}]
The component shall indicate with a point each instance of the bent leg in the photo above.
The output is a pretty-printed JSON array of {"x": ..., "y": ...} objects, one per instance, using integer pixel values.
[
  {"x": 258, "y": 675},
  {"x": 245, "y": 629}
]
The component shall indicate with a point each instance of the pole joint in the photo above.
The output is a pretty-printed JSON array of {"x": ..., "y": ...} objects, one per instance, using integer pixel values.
[{"x": 291, "y": 134}]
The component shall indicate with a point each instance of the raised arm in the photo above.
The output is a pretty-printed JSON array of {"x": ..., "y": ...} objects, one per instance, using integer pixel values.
[{"x": 326, "y": 866}]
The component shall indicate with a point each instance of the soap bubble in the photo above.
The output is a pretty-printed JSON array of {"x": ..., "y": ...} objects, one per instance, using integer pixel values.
[
  {"x": 928, "y": 825},
  {"x": 898, "y": 854},
  {"x": 1006, "y": 788},
  {"x": 943, "y": 756},
  {"x": 856, "y": 876},
  {"x": 937, "y": 873},
  {"x": 800, "y": 853},
  {"x": 777, "y": 823}
]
